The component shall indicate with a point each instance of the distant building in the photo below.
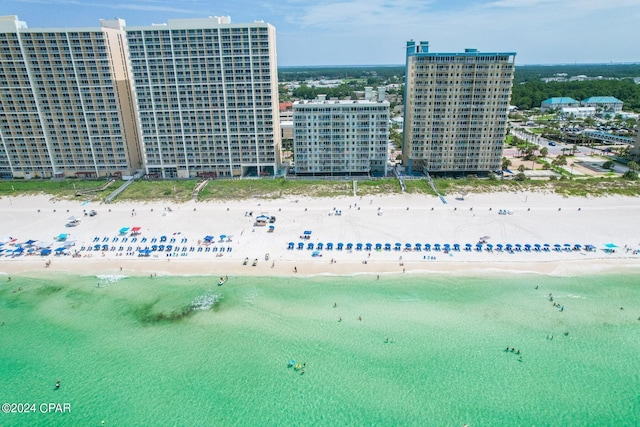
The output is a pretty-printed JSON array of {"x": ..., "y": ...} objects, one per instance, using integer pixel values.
[
  {"x": 635, "y": 149},
  {"x": 578, "y": 112},
  {"x": 605, "y": 104},
  {"x": 455, "y": 110},
  {"x": 347, "y": 137},
  {"x": 558, "y": 103}
]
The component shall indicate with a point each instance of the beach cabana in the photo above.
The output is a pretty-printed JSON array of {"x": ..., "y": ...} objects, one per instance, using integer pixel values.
[
  {"x": 577, "y": 247},
  {"x": 589, "y": 248},
  {"x": 291, "y": 245},
  {"x": 489, "y": 247},
  {"x": 271, "y": 229},
  {"x": 358, "y": 246},
  {"x": 368, "y": 246},
  {"x": 407, "y": 246},
  {"x": 427, "y": 247},
  {"x": 300, "y": 245},
  {"x": 310, "y": 246},
  {"x": 306, "y": 234},
  {"x": 456, "y": 247},
  {"x": 339, "y": 246},
  {"x": 527, "y": 247},
  {"x": 262, "y": 220},
  {"x": 319, "y": 246},
  {"x": 349, "y": 246},
  {"x": 446, "y": 247},
  {"x": 436, "y": 247},
  {"x": 546, "y": 247},
  {"x": 329, "y": 246},
  {"x": 557, "y": 247},
  {"x": 124, "y": 230},
  {"x": 398, "y": 246},
  {"x": 536, "y": 247},
  {"x": 387, "y": 246},
  {"x": 467, "y": 247},
  {"x": 499, "y": 247},
  {"x": 62, "y": 237},
  {"x": 135, "y": 231},
  {"x": 45, "y": 252},
  {"x": 508, "y": 247},
  {"x": 567, "y": 247},
  {"x": 378, "y": 246},
  {"x": 417, "y": 247}
]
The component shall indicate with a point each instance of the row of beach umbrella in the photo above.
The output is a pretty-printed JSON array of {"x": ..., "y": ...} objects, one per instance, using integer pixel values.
[{"x": 456, "y": 247}]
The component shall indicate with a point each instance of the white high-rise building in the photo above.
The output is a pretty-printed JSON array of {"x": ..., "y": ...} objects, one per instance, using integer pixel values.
[
  {"x": 346, "y": 137},
  {"x": 207, "y": 96},
  {"x": 66, "y": 103},
  {"x": 456, "y": 107}
]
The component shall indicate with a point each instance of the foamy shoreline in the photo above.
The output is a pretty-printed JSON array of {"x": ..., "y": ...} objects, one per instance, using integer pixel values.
[{"x": 408, "y": 219}]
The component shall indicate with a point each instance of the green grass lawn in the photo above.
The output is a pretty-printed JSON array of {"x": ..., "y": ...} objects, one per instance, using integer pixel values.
[{"x": 181, "y": 190}]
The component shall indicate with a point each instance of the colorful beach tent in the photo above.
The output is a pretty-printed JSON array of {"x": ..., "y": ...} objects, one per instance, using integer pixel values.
[
  {"x": 135, "y": 230},
  {"x": 62, "y": 237},
  {"x": 124, "y": 230}
]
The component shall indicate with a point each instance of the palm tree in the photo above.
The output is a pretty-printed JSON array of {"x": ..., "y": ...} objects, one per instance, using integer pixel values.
[
  {"x": 544, "y": 151},
  {"x": 505, "y": 163}
]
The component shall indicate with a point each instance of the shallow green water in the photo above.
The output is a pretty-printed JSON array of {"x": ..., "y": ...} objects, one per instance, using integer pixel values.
[{"x": 131, "y": 353}]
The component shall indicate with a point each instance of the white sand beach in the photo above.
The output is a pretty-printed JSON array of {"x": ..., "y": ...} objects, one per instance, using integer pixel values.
[{"x": 499, "y": 218}]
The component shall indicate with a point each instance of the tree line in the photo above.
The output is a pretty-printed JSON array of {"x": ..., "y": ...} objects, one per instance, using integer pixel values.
[{"x": 530, "y": 94}]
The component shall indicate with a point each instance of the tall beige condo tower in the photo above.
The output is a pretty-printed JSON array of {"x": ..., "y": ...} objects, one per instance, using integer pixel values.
[
  {"x": 66, "y": 103},
  {"x": 207, "y": 95},
  {"x": 456, "y": 107}
]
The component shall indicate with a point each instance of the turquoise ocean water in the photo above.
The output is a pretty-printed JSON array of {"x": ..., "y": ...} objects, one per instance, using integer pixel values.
[{"x": 409, "y": 351}]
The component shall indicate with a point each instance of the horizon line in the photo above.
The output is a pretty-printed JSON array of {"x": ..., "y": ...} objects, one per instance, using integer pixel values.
[{"x": 563, "y": 64}]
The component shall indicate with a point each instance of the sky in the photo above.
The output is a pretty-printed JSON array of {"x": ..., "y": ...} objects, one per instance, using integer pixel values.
[{"x": 375, "y": 32}]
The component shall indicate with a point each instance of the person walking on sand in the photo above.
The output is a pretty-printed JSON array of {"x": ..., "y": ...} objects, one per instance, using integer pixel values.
[{"x": 295, "y": 269}]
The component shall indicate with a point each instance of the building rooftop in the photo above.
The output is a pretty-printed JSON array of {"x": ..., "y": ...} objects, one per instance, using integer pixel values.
[
  {"x": 602, "y": 99},
  {"x": 560, "y": 100}
]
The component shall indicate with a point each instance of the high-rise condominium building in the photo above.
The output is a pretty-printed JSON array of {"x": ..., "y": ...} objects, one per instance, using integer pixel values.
[
  {"x": 66, "y": 105},
  {"x": 456, "y": 108},
  {"x": 207, "y": 96},
  {"x": 347, "y": 137}
]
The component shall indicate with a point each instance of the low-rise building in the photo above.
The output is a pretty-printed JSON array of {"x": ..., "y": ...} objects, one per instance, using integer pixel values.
[
  {"x": 558, "y": 103},
  {"x": 607, "y": 104},
  {"x": 578, "y": 112}
]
